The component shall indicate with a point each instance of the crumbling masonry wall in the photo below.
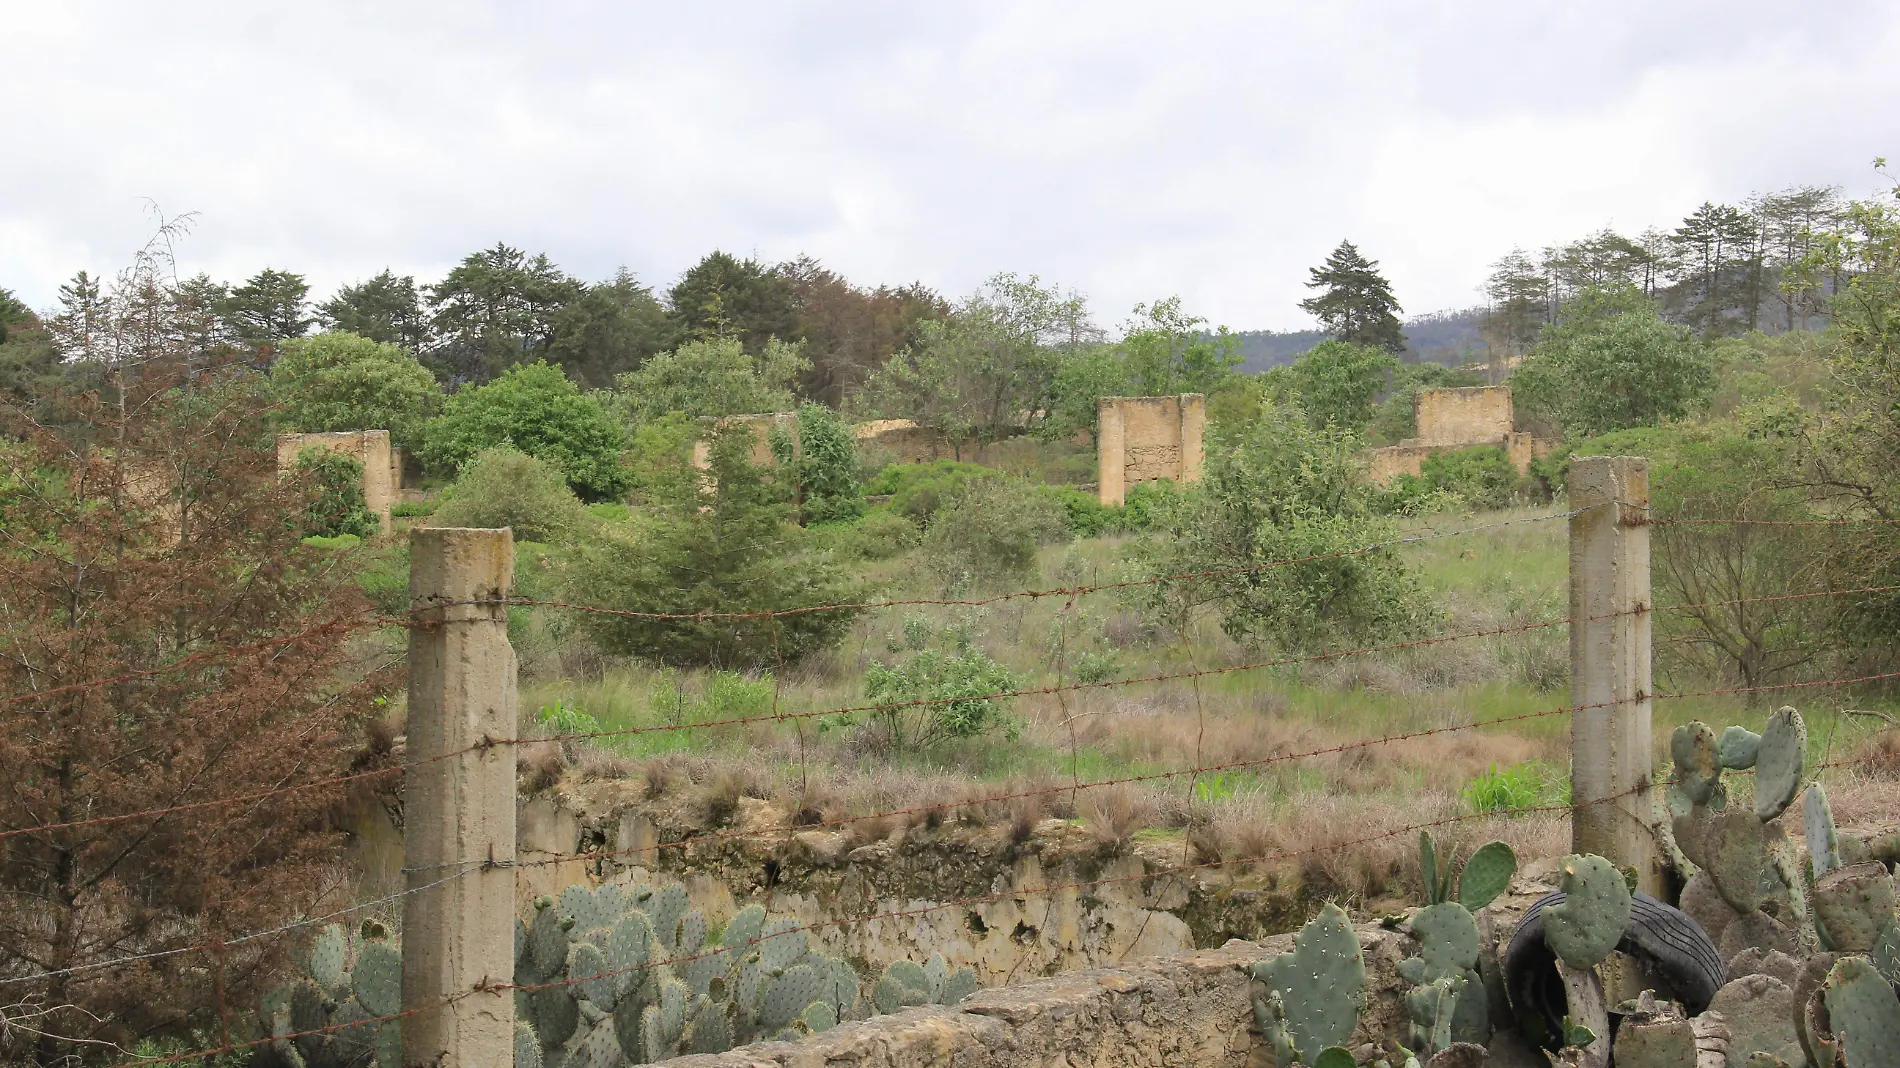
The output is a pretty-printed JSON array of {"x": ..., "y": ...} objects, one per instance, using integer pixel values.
[
  {"x": 382, "y": 470},
  {"x": 1458, "y": 418},
  {"x": 1142, "y": 439}
]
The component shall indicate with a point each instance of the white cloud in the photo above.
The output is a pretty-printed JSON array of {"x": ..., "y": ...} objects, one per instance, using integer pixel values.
[{"x": 1215, "y": 150}]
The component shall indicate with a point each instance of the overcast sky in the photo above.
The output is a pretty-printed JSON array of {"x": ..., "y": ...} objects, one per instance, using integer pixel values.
[{"x": 1128, "y": 150}]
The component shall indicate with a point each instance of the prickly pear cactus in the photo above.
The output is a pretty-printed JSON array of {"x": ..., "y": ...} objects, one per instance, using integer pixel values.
[
  {"x": 1853, "y": 907},
  {"x": 906, "y": 983},
  {"x": 1487, "y": 873},
  {"x": 340, "y": 1011},
  {"x": 1447, "y": 1004},
  {"x": 1314, "y": 994},
  {"x": 1781, "y": 753},
  {"x": 1595, "y": 912},
  {"x": 1864, "y": 1013},
  {"x": 1824, "y": 845}
]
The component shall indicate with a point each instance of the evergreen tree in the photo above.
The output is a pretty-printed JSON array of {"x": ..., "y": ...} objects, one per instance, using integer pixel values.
[
  {"x": 1355, "y": 303},
  {"x": 1717, "y": 250},
  {"x": 724, "y": 296},
  {"x": 269, "y": 309},
  {"x": 496, "y": 309},
  {"x": 386, "y": 308},
  {"x": 1520, "y": 302},
  {"x": 610, "y": 329}
]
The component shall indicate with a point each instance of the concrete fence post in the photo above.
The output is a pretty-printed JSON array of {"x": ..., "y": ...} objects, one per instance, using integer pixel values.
[
  {"x": 459, "y": 801},
  {"x": 1611, "y": 749}
]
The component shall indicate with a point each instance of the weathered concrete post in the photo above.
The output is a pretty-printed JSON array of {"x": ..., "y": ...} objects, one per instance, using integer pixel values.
[
  {"x": 459, "y": 810},
  {"x": 1111, "y": 457},
  {"x": 1611, "y": 751}
]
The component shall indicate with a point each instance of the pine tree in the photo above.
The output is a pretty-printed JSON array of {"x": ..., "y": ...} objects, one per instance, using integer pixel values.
[{"x": 1355, "y": 303}]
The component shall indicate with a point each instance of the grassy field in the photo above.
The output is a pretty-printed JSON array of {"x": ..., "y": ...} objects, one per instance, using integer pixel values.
[{"x": 1509, "y": 572}]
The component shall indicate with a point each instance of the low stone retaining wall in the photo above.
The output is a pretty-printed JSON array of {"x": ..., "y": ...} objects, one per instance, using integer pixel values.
[{"x": 1193, "y": 1009}]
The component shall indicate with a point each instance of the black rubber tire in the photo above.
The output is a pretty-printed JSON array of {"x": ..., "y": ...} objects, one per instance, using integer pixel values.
[{"x": 1665, "y": 939}]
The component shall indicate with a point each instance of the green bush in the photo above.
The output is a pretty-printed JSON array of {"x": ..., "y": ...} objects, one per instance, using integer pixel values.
[
  {"x": 827, "y": 467},
  {"x": 413, "y": 509},
  {"x": 335, "y": 505},
  {"x": 712, "y": 376},
  {"x": 1481, "y": 474},
  {"x": 724, "y": 544},
  {"x": 989, "y": 531},
  {"x": 946, "y": 670},
  {"x": 505, "y": 487},
  {"x": 536, "y": 409},
  {"x": 1278, "y": 516},
  {"x": 1084, "y": 513},
  {"x": 880, "y": 535},
  {"x": 1145, "y": 502},
  {"x": 340, "y": 541},
  {"x": 339, "y": 381},
  {"x": 918, "y": 490}
]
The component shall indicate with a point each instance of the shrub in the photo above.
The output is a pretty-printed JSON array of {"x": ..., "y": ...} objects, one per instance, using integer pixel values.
[
  {"x": 336, "y": 504},
  {"x": 536, "y": 409},
  {"x": 660, "y": 460},
  {"x": 1278, "y": 513},
  {"x": 413, "y": 509},
  {"x": 880, "y": 535},
  {"x": 713, "y": 376},
  {"x": 918, "y": 490},
  {"x": 948, "y": 672},
  {"x": 1144, "y": 502},
  {"x": 827, "y": 467},
  {"x": 504, "y": 487},
  {"x": 339, "y": 542},
  {"x": 1482, "y": 475},
  {"x": 1084, "y": 513},
  {"x": 990, "y": 531},
  {"x": 726, "y": 544},
  {"x": 339, "y": 381}
]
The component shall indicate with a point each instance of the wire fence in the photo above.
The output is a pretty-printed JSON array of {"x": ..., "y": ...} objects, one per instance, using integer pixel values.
[{"x": 428, "y": 616}]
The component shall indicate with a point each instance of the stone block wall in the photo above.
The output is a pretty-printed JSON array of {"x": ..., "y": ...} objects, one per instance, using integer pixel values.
[
  {"x": 382, "y": 473},
  {"x": 1142, "y": 439},
  {"x": 1464, "y": 416},
  {"x": 1458, "y": 418}
]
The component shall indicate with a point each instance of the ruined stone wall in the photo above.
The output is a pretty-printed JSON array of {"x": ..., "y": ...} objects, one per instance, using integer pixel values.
[
  {"x": 1458, "y": 418},
  {"x": 381, "y": 471},
  {"x": 1469, "y": 415},
  {"x": 1142, "y": 439}
]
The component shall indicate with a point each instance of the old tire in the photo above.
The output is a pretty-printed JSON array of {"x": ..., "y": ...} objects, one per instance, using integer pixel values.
[{"x": 1664, "y": 939}]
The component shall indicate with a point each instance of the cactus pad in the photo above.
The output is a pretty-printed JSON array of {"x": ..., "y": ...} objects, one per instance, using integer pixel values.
[
  {"x": 711, "y": 1030},
  {"x": 1738, "y": 748},
  {"x": 1590, "y": 921},
  {"x": 782, "y": 942},
  {"x": 1864, "y": 1014},
  {"x": 377, "y": 978},
  {"x": 1447, "y": 942},
  {"x": 527, "y": 1046},
  {"x": 588, "y": 970},
  {"x": 329, "y": 961},
  {"x": 744, "y": 929},
  {"x": 556, "y": 1015},
  {"x": 547, "y": 945},
  {"x": 1698, "y": 760},
  {"x": 1853, "y": 907},
  {"x": 666, "y": 910},
  {"x": 1486, "y": 875},
  {"x": 787, "y": 995},
  {"x": 892, "y": 995},
  {"x": 653, "y": 1043},
  {"x": 1735, "y": 854},
  {"x": 1321, "y": 984},
  {"x": 308, "y": 1012},
  {"x": 352, "y": 1035},
  {"x": 578, "y": 903},
  {"x": 1784, "y": 748},
  {"x": 819, "y": 1016},
  {"x": 629, "y": 947},
  {"x": 957, "y": 985},
  {"x": 692, "y": 934},
  {"x": 598, "y": 1050},
  {"x": 1824, "y": 846}
]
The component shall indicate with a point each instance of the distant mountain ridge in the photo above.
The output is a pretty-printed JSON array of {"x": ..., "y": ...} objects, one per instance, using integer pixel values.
[{"x": 1448, "y": 337}]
